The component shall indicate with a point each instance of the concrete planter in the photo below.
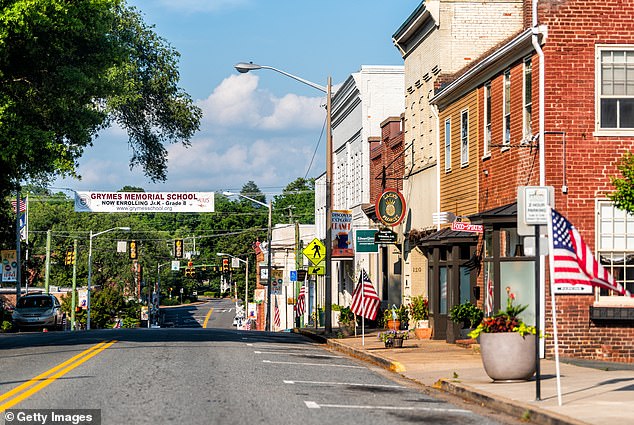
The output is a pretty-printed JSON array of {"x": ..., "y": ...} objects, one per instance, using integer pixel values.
[{"x": 508, "y": 356}]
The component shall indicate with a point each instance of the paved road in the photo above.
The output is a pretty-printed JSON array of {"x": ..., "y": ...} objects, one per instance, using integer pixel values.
[
  {"x": 216, "y": 313},
  {"x": 209, "y": 376}
]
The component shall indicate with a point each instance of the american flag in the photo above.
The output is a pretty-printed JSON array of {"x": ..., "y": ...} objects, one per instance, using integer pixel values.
[
  {"x": 573, "y": 259},
  {"x": 276, "y": 315},
  {"x": 365, "y": 300},
  {"x": 300, "y": 307},
  {"x": 489, "y": 298},
  {"x": 22, "y": 204}
]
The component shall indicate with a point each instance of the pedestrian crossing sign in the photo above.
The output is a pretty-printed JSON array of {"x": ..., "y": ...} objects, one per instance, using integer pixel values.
[{"x": 315, "y": 251}]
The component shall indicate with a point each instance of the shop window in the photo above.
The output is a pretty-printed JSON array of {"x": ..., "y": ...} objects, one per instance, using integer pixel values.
[
  {"x": 615, "y": 89},
  {"x": 443, "y": 290},
  {"x": 615, "y": 247},
  {"x": 519, "y": 277}
]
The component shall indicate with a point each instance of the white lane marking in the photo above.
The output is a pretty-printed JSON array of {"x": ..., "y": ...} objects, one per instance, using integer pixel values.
[
  {"x": 249, "y": 344},
  {"x": 296, "y": 354},
  {"x": 315, "y": 364},
  {"x": 313, "y": 405},
  {"x": 344, "y": 383}
]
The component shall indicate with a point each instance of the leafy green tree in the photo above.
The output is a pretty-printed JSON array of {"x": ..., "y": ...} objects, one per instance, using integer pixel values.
[
  {"x": 297, "y": 202},
  {"x": 70, "y": 69},
  {"x": 623, "y": 196}
]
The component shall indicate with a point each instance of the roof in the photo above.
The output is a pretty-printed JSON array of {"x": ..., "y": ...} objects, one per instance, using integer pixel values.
[
  {"x": 447, "y": 236},
  {"x": 504, "y": 214}
]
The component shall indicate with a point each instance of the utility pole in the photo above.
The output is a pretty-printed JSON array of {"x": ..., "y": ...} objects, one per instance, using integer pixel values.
[
  {"x": 47, "y": 270},
  {"x": 74, "y": 296}
]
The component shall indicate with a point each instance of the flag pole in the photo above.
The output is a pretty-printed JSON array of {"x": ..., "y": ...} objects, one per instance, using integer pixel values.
[
  {"x": 551, "y": 266},
  {"x": 363, "y": 307}
]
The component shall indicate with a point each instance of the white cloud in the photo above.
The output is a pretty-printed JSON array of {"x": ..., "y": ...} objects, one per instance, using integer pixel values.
[{"x": 237, "y": 101}]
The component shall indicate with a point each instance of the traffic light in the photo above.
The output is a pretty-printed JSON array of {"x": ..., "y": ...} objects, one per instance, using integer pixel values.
[
  {"x": 225, "y": 264},
  {"x": 133, "y": 251},
  {"x": 189, "y": 271},
  {"x": 69, "y": 259},
  {"x": 178, "y": 248}
]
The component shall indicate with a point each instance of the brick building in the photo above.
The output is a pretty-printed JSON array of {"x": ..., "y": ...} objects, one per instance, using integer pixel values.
[{"x": 588, "y": 124}]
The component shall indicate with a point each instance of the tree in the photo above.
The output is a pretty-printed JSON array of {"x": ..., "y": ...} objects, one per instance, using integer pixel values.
[
  {"x": 252, "y": 190},
  {"x": 623, "y": 196},
  {"x": 297, "y": 202},
  {"x": 70, "y": 69}
]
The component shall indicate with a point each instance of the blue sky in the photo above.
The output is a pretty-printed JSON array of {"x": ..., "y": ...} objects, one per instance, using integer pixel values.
[{"x": 260, "y": 126}]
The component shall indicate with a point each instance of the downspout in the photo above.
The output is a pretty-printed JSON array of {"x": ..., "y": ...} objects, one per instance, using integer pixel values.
[
  {"x": 434, "y": 110},
  {"x": 542, "y": 71}
]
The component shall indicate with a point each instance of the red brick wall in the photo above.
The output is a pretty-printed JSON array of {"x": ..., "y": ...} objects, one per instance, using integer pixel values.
[
  {"x": 389, "y": 153},
  {"x": 575, "y": 27}
]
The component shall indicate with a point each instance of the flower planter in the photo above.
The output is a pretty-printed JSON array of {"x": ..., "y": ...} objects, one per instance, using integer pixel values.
[
  {"x": 394, "y": 325},
  {"x": 422, "y": 333},
  {"x": 397, "y": 342},
  {"x": 508, "y": 356}
]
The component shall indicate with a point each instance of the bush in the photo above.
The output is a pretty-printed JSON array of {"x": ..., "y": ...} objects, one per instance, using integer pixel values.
[
  {"x": 7, "y": 326},
  {"x": 419, "y": 308},
  {"x": 466, "y": 314},
  {"x": 131, "y": 322}
]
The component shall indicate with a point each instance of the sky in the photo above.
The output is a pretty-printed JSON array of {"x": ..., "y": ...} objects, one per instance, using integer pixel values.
[{"x": 260, "y": 126}]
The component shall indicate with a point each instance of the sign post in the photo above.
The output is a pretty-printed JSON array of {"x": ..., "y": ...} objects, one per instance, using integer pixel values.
[{"x": 533, "y": 209}]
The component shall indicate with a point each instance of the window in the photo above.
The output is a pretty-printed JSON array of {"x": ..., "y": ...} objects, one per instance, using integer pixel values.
[
  {"x": 464, "y": 138},
  {"x": 615, "y": 105},
  {"x": 448, "y": 144},
  {"x": 506, "y": 123},
  {"x": 528, "y": 102},
  {"x": 487, "y": 120},
  {"x": 615, "y": 244}
]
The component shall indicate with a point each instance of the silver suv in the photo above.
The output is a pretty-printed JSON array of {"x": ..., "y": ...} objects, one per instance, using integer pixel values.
[{"x": 38, "y": 311}]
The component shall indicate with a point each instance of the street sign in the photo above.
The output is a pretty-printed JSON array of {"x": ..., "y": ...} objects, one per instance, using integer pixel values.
[
  {"x": 176, "y": 265},
  {"x": 301, "y": 275},
  {"x": 293, "y": 275},
  {"x": 315, "y": 251},
  {"x": 385, "y": 236},
  {"x": 319, "y": 270}
]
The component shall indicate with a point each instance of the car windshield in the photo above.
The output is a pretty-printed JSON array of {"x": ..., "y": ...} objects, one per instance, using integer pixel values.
[{"x": 34, "y": 302}]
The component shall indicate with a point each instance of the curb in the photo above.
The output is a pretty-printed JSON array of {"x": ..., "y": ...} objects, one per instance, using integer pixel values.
[
  {"x": 510, "y": 407},
  {"x": 534, "y": 414}
]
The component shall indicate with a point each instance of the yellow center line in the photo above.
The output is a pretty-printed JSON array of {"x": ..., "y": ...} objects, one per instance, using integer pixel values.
[
  {"x": 44, "y": 379},
  {"x": 207, "y": 318}
]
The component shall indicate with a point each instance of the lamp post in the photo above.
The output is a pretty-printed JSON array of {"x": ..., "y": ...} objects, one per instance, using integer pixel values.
[
  {"x": 244, "y": 67},
  {"x": 270, "y": 253},
  {"x": 92, "y": 236},
  {"x": 246, "y": 280}
]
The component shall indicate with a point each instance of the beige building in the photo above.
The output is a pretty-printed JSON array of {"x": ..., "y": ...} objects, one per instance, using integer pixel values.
[{"x": 439, "y": 38}]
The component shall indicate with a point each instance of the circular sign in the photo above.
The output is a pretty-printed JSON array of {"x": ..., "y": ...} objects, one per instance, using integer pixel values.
[{"x": 390, "y": 207}]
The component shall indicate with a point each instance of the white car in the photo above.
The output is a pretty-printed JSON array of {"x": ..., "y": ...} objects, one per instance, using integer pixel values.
[{"x": 38, "y": 311}]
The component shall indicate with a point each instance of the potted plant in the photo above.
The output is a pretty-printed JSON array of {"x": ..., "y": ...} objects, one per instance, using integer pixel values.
[
  {"x": 467, "y": 315},
  {"x": 419, "y": 312},
  {"x": 393, "y": 318},
  {"x": 390, "y": 319},
  {"x": 393, "y": 338},
  {"x": 507, "y": 344},
  {"x": 346, "y": 321}
]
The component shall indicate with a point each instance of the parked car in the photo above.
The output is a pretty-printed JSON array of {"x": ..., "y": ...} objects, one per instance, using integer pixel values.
[{"x": 38, "y": 311}]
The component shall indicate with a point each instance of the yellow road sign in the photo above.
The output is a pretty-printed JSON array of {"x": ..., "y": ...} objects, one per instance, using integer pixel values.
[
  {"x": 319, "y": 269},
  {"x": 315, "y": 251}
]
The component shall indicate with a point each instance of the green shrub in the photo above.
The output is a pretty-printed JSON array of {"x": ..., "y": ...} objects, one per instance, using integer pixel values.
[
  {"x": 6, "y": 326},
  {"x": 466, "y": 314}
]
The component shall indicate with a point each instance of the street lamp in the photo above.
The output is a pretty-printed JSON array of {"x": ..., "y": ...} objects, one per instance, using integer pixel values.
[
  {"x": 94, "y": 235},
  {"x": 244, "y": 67},
  {"x": 270, "y": 253},
  {"x": 246, "y": 280}
]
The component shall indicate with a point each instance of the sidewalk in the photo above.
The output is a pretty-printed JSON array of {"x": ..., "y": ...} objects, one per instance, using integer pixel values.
[{"x": 589, "y": 395}]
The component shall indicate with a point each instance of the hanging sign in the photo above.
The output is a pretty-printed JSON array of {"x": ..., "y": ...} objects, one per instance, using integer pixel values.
[
  {"x": 341, "y": 234},
  {"x": 143, "y": 202},
  {"x": 390, "y": 207}
]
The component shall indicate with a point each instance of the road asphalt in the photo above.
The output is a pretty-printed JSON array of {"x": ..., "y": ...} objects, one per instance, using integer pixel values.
[{"x": 595, "y": 393}]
